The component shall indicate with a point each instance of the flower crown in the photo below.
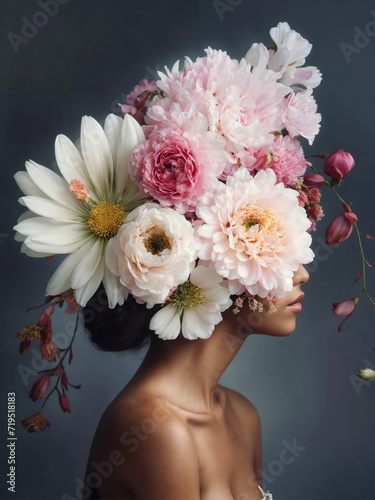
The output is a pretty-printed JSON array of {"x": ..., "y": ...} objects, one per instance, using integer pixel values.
[{"x": 198, "y": 193}]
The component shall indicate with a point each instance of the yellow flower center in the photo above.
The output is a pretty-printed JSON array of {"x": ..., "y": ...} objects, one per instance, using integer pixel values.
[
  {"x": 265, "y": 219},
  {"x": 156, "y": 243},
  {"x": 106, "y": 218},
  {"x": 187, "y": 296}
]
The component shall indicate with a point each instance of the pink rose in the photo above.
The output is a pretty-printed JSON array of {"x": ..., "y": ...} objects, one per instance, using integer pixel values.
[
  {"x": 338, "y": 164},
  {"x": 178, "y": 169}
]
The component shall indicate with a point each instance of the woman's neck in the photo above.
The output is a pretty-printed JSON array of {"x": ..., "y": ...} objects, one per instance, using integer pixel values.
[{"x": 188, "y": 371}]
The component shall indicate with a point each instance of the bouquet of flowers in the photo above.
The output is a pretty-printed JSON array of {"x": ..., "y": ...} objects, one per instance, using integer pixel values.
[{"x": 197, "y": 193}]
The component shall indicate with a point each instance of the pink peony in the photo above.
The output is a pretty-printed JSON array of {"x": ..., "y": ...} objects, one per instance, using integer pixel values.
[
  {"x": 177, "y": 168},
  {"x": 300, "y": 116},
  {"x": 285, "y": 157}
]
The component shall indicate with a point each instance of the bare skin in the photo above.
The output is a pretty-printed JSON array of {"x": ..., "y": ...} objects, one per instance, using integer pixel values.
[{"x": 174, "y": 433}]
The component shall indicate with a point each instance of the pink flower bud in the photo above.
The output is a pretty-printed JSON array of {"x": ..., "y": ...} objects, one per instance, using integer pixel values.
[
  {"x": 338, "y": 164},
  {"x": 313, "y": 180},
  {"x": 343, "y": 308},
  {"x": 302, "y": 199},
  {"x": 340, "y": 228},
  {"x": 40, "y": 387},
  {"x": 64, "y": 402},
  {"x": 79, "y": 190},
  {"x": 316, "y": 212},
  {"x": 314, "y": 195}
]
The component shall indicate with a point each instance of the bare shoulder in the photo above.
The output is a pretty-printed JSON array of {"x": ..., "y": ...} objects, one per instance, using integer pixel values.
[
  {"x": 243, "y": 408},
  {"x": 155, "y": 452},
  {"x": 247, "y": 421}
]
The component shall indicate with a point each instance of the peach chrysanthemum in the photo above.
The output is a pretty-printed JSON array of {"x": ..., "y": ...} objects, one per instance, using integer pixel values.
[{"x": 254, "y": 234}]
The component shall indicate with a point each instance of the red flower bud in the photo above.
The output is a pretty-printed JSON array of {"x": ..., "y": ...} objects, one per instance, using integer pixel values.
[
  {"x": 40, "y": 387},
  {"x": 48, "y": 350},
  {"x": 313, "y": 180},
  {"x": 64, "y": 402},
  {"x": 338, "y": 164},
  {"x": 340, "y": 228}
]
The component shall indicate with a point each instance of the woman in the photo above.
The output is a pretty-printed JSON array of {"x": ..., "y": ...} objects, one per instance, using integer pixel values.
[{"x": 178, "y": 434}]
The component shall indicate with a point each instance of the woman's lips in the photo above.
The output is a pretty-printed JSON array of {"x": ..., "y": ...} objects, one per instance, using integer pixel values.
[{"x": 296, "y": 306}]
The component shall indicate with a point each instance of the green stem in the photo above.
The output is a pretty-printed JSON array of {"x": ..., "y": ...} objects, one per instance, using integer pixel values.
[
  {"x": 61, "y": 362},
  {"x": 364, "y": 289}
]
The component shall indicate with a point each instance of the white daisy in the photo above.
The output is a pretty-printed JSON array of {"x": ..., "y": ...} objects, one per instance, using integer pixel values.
[
  {"x": 194, "y": 308},
  {"x": 79, "y": 213}
]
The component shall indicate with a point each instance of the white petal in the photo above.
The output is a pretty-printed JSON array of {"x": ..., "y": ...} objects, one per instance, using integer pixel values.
[
  {"x": 40, "y": 227},
  {"x": 97, "y": 154},
  {"x": 202, "y": 277},
  {"x": 52, "y": 185},
  {"x": 26, "y": 185},
  {"x": 193, "y": 327},
  {"x": 49, "y": 208},
  {"x": 131, "y": 135},
  {"x": 61, "y": 279},
  {"x": 84, "y": 293},
  {"x": 116, "y": 292},
  {"x": 54, "y": 247},
  {"x": 71, "y": 164},
  {"x": 31, "y": 253},
  {"x": 166, "y": 323},
  {"x": 112, "y": 128},
  {"x": 85, "y": 269}
]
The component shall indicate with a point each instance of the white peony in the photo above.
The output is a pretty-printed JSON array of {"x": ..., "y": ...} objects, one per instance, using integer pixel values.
[
  {"x": 195, "y": 307},
  {"x": 254, "y": 234},
  {"x": 153, "y": 252},
  {"x": 79, "y": 213}
]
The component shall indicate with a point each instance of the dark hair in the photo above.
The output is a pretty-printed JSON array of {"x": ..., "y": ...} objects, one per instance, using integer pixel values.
[{"x": 120, "y": 329}]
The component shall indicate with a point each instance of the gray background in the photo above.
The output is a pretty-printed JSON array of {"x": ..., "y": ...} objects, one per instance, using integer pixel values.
[{"x": 85, "y": 60}]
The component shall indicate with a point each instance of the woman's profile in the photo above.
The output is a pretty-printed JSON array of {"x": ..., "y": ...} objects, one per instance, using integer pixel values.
[{"x": 173, "y": 431}]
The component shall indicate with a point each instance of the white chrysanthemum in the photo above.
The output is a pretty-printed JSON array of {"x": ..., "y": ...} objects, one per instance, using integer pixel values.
[
  {"x": 81, "y": 223},
  {"x": 153, "y": 252},
  {"x": 254, "y": 233},
  {"x": 195, "y": 307}
]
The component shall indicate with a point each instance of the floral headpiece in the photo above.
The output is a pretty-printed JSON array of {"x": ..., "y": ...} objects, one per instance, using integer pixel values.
[{"x": 198, "y": 193}]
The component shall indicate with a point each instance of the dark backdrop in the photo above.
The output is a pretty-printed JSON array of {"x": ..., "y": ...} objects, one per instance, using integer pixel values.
[{"x": 85, "y": 59}]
